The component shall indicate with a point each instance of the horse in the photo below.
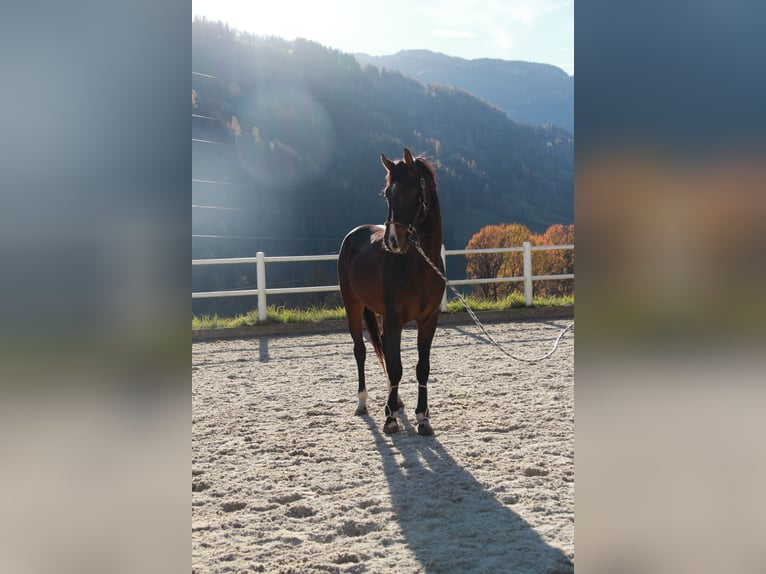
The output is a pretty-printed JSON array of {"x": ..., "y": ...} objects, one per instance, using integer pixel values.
[{"x": 380, "y": 275}]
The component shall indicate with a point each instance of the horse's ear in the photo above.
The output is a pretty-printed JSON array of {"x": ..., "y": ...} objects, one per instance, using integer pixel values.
[
  {"x": 408, "y": 158},
  {"x": 387, "y": 163}
]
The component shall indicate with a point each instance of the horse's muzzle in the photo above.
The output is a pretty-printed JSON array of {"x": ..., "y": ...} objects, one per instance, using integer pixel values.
[{"x": 395, "y": 238}]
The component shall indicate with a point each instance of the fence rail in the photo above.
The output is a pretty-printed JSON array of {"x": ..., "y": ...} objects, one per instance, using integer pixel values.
[{"x": 262, "y": 292}]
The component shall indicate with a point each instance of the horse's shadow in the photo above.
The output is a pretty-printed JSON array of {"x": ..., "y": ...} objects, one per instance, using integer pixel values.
[{"x": 450, "y": 522}]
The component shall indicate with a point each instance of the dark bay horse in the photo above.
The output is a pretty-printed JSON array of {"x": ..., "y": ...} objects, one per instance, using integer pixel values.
[{"x": 380, "y": 272}]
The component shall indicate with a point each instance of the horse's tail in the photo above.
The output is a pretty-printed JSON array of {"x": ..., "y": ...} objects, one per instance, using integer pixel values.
[{"x": 377, "y": 342}]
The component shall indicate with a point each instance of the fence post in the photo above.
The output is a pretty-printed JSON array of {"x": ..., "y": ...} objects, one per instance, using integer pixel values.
[
  {"x": 260, "y": 271},
  {"x": 444, "y": 296},
  {"x": 527, "y": 274}
]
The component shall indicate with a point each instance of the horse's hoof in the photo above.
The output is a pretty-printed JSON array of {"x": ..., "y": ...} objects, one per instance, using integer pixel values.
[
  {"x": 425, "y": 429},
  {"x": 391, "y": 427},
  {"x": 360, "y": 411}
]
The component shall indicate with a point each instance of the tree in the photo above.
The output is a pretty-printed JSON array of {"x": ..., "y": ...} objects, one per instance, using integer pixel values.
[
  {"x": 553, "y": 262},
  {"x": 236, "y": 131},
  {"x": 513, "y": 263},
  {"x": 487, "y": 265},
  {"x": 558, "y": 262}
]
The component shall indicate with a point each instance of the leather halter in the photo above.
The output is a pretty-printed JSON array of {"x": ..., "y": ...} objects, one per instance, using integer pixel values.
[{"x": 420, "y": 215}]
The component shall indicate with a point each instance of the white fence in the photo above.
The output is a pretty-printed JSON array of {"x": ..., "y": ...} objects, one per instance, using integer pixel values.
[{"x": 262, "y": 291}]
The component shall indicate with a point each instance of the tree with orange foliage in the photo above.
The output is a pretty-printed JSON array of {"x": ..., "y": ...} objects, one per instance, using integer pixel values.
[
  {"x": 486, "y": 265},
  {"x": 558, "y": 262}
]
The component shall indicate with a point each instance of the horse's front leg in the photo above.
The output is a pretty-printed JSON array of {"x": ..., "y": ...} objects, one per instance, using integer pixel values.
[
  {"x": 426, "y": 332},
  {"x": 392, "y": 342}
]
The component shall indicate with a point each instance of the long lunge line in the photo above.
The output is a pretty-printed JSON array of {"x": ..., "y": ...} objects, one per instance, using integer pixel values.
[{"x": 476, "y": 319}]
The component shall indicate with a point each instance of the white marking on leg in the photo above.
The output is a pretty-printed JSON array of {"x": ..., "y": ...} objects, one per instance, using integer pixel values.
[
  {"x": 362, "y": 400},
  {"x": 424, "y": 427}
]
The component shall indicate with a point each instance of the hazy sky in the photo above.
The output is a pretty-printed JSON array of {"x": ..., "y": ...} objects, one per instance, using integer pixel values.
[{"x": 531, "y": 30}]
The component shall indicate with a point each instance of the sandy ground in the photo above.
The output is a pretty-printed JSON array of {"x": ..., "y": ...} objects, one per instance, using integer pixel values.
[{"x": 286, "y": 479}]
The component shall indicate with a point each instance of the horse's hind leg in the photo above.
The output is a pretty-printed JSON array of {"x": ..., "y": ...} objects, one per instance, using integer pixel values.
[
  {"x": 355, "y": 327},
  {"x": 359, "y": 355},
  {"x": 426, "y": 332}
]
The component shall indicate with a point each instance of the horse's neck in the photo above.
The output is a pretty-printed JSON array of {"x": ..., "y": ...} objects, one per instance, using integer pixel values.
[{"x": 431, "y": 239}]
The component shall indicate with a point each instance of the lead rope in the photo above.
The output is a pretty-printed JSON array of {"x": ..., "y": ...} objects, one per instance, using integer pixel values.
[{"x": 416, "y": 243}]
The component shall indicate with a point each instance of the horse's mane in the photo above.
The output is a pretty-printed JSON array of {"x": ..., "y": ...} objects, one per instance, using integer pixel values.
[{"x": 425, "y": 164}]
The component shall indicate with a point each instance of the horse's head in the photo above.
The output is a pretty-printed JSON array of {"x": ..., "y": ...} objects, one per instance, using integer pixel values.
[{"x": 407, "y": 199}]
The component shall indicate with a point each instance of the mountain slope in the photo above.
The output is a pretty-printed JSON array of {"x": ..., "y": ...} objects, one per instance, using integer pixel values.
[{"x": 535, "y": 94}]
